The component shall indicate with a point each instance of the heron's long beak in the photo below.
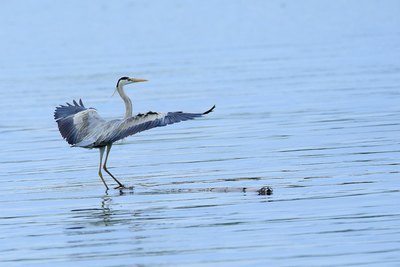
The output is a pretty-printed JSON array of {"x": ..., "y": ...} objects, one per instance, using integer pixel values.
[
  {"x": 133, "y": 80},
  {"x": 137, "y": 80}
]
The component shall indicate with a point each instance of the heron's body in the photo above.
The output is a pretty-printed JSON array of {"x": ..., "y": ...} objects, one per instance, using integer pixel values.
[{"x": 84, "y": 127}]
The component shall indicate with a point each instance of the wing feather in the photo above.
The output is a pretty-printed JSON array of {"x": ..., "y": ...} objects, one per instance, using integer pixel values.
[
  {"x": 84, "y": 127},
  {"x": 143, "y": 122},
  {"x": 76, "y": 122}
]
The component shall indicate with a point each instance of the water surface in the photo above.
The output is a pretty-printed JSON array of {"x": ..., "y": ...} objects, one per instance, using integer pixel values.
[{"x": 307, "y": 97}]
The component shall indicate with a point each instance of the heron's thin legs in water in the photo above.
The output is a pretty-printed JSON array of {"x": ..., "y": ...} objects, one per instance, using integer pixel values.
[
  {"x": 105, "y": 168},
  {"x": 101, "y": 160}
]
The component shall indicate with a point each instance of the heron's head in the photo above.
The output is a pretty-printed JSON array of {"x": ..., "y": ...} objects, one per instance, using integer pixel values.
[{"x": 127, "y": 80}]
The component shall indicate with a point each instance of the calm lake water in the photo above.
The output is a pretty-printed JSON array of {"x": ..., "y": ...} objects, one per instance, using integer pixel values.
[{"x": 307, "y": 96}]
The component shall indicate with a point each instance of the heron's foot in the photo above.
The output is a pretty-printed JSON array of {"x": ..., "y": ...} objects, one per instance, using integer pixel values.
[{"x": 121, "y": 186}]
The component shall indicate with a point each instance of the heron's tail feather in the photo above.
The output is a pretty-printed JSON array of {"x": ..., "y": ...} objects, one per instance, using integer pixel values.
[{"x": 89, "y": 143}]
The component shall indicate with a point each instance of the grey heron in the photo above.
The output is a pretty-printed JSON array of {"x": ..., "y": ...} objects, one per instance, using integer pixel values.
[{"x": 84, "y": 127}]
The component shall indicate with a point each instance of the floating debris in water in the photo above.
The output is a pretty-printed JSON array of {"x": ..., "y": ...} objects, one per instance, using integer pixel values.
[{"x": 266, "y": 190}]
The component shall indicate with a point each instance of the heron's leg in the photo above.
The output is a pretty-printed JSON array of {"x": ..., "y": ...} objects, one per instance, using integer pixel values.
[
  {"x": 101, "y": 160},
  {"x": 105, "y": 167}
]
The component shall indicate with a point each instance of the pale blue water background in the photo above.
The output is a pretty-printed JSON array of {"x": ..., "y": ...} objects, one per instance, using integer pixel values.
[{"x": 307, "y": 96}]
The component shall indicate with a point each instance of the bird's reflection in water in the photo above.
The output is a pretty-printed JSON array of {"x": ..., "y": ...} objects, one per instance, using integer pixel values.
[
  {"x": 100, "y": 227},
  {"x": 105, "y": 211},
  {"x": 109, "y": 214},
  {"x": 103, "y": 215}
]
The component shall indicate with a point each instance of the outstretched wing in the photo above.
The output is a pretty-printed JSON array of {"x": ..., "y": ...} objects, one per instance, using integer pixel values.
[
  {"x": 143, "y": 122},
  {"x": 76, "y": 122}
]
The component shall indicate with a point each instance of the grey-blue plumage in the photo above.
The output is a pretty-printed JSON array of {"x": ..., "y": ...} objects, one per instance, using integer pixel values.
[{"x": 84, "y": 127}]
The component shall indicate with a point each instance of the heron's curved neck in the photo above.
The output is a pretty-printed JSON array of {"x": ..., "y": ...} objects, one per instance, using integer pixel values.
[{"x": 127, "y": 101}]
